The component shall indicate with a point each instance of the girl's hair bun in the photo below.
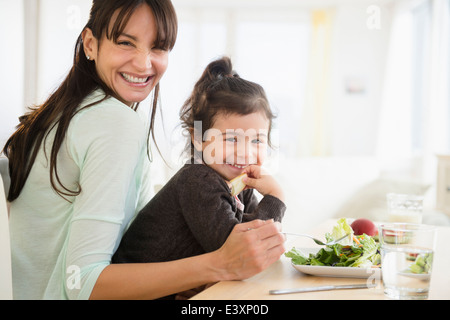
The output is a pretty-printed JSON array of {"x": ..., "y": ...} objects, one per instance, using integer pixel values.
[{"x": 222, "y": 68}]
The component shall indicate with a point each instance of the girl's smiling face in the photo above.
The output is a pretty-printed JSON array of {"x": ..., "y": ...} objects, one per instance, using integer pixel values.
[
  {"x": 234, "y": 142},
  {"x": 133, "y": 65}
]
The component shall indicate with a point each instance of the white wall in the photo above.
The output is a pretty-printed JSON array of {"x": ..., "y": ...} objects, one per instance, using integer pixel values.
[
  {"x": 38, "y": 39},
  {"x": 11, "y": 66},
  {"x": 358, "y": 59},
  {"x": 59, "y": 25}
]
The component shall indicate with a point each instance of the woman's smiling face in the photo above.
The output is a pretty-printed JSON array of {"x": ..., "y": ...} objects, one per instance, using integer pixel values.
[{"x": 133, "y": 65}]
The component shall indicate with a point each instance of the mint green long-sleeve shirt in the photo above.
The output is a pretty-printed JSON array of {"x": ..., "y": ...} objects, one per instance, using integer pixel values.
[{"x": 59, "y": 248}]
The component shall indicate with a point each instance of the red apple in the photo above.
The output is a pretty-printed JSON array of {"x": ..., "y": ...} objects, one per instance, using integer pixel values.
[{"x": 366, "y": 226}]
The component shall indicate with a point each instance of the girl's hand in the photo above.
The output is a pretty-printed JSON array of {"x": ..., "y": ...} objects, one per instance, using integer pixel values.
[
  {"x": 263, "y": 183},
  {"x": 250, "y": 248}
]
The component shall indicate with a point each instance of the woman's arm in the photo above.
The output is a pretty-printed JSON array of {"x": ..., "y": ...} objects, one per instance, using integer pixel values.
[
  {"x": 106, "y": 142},
  {"x": 250, "y": 248}
]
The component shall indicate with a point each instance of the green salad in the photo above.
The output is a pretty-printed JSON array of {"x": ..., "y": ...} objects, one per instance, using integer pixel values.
[
  {"x": 355, "y": 251},
  {"x": 422, "y": 264}
]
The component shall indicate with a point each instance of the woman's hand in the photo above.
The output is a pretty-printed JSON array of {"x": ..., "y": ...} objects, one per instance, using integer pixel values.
[
  {"x": 263, "y": 183},
  {"x": 250, "y": 248}
]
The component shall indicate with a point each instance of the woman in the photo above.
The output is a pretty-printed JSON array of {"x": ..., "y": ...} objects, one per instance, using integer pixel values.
[{"x": 78, "y": 167}]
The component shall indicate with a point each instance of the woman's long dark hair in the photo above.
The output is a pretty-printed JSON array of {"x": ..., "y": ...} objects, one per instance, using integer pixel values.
[{"x": 59, "y": 109}]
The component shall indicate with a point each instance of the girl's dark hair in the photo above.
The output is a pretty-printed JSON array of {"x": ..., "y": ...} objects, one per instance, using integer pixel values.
[
  {"x": 220, "y": 90},
  {"x": 23, "y": 146}
]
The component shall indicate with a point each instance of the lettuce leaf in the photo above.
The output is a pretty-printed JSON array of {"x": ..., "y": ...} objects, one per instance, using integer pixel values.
[
  {"x": 370, "y": 248},
  {"x": 297, "y": 257},
  {"x": 341, "y": 229}
]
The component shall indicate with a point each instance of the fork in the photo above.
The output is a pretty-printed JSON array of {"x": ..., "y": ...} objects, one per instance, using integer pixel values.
[{"x": 316, "y": 240}]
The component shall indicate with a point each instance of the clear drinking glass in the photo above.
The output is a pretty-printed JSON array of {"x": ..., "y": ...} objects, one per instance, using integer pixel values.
[
  {"x": 406, "y": 259},
  {"x": 404, "y": 208}
]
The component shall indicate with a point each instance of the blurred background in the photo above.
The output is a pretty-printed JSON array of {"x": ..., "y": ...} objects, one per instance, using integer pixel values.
[{"x": 361, "y": 89}]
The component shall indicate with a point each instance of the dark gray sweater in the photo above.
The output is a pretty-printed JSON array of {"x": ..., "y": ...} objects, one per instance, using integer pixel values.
[{"x": 192, "y": 214}]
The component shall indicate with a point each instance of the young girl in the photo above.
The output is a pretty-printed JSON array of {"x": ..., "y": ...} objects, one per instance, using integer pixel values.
[{"x": 195, "y": 212}]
